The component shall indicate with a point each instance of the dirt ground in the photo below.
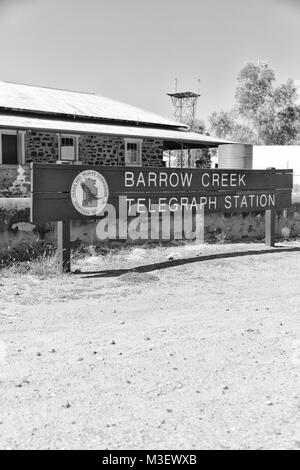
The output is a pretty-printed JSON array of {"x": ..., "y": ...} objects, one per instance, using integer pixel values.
[{"x": 198, "y": 347}]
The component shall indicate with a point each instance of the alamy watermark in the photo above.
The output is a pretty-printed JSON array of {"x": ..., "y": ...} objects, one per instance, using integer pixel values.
[{"x": 137, "y": 221}]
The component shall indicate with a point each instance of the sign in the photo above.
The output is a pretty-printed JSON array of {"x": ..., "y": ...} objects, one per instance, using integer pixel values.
[
  {"x": 68, "y": 192},
  {"x": 89, "y": 193}
]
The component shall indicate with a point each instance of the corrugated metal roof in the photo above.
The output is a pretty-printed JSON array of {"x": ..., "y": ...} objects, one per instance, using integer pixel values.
[
  {"x": 191, "y": 139},
  {"x": 51, "y": 100}
]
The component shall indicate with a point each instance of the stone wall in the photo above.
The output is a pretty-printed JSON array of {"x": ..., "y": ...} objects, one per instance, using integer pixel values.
[
  {"x": 92, "y": 149},
  {"x": 101, "y": 150},
  {"x": 14, "y": 181},
  {"x": 41, "y": 147},
  {"x": 220, "y": 228},
  {"x": 152, "y": 153},
  {"x": 107, "y": 150}
]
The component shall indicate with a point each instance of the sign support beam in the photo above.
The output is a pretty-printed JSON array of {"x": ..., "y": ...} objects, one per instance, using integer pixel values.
[
  {"x": 270, "y": 221},
  {"x": 64, "y": 245},
  {"x": 200, "y": 224},
  {"x": 270, "y": 227}
]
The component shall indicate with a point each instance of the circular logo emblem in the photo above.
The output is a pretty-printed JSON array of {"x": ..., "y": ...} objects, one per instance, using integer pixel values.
[{"x": 89, "y": 192}]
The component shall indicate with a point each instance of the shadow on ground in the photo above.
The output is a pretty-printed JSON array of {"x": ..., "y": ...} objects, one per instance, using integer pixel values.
[{"x": 182, "y": 261}]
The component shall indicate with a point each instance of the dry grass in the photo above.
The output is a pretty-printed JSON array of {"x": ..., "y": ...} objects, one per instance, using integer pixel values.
[
  {"x": 43, "y": 262},
  {"x": 44, "y": 267}
]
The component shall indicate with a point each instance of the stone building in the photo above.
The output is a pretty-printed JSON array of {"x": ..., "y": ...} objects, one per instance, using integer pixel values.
[{"x": 40, "y": 124}]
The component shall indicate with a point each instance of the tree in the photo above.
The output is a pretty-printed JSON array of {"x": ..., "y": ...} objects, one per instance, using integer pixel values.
[
  {"x": 202, "y": 158},
  {"x": 222, "y": 124},
  {"x": 225, "y": 126},
  {"x": 255, "y": 87},
  {"x": 263, "y": 113}
]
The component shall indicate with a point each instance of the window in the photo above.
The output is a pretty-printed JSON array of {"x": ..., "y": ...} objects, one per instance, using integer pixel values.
[
  {"x": 11, "y": 147},
  {"x": 133, "y": 152},
  {"x": 68, "y": 147}
]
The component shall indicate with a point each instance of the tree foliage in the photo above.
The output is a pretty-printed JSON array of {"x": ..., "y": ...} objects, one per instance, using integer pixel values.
[
  {"x": 225, "y": 125},
  {"x": 263, "y": 113}
]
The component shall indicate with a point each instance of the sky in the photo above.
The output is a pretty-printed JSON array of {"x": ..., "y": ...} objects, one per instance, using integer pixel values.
[{"x": 132, "y": 50}]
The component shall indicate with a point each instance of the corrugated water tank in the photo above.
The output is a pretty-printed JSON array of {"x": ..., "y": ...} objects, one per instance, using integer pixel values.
[{"x": 235, "y": 156}]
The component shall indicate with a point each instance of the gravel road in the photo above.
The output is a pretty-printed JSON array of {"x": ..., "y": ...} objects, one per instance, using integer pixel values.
[{"x": 198, "y": 347}]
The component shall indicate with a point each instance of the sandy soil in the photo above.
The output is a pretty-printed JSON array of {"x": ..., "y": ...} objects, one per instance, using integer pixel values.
[{"x": 199, "y": 351}]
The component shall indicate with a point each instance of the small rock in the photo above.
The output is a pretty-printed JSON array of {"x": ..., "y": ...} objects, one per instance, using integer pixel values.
[
  {"x": 147, "y": 338},
  {"x": 80, "y": 359},
  {"x": 112, "y": 342},
  {"x": 67, "y": 405},
  {"x": 169, "y": 410},
  {"x": 39, "y": 354},
  {"x": 52, "y": 351}
]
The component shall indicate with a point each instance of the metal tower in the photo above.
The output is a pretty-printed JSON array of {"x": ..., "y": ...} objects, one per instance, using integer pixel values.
[{"x": 185, "y": 106}]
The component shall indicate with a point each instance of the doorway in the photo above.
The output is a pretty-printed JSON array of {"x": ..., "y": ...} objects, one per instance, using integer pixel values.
[{"x": 9, "y": 145}]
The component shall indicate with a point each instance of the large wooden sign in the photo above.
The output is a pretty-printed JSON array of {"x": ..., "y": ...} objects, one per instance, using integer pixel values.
[{"x": 68, "y": 192}]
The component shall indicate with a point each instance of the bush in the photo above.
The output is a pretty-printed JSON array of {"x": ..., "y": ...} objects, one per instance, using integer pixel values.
[{"x": 25, "y": 252}]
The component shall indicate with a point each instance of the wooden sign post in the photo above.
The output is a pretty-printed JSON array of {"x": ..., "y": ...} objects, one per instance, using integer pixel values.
[
  {"x": 77, "y": 192},
  {"x": 270, "y": 227},
  {"x": 270, "y": 219},
  {"x": 64, "y": 245}
]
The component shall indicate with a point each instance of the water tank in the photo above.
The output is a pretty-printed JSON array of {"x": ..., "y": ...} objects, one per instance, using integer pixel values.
[{"x": 237, "y": 156}]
